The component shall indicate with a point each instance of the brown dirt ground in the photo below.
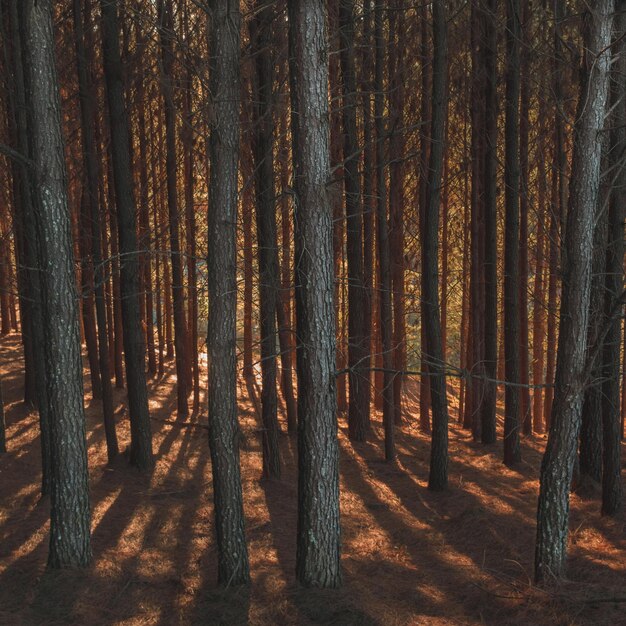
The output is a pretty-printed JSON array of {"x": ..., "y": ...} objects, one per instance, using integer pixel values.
[{"x": 409, "y": 556}]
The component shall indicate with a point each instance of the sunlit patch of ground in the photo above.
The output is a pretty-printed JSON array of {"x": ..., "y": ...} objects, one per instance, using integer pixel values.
[{"x": 409, "y": 556}]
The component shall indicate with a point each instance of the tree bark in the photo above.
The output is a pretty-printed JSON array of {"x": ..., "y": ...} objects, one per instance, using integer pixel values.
[
  {"x": 222, "y": 281},
  {"x": 318, "y": 535},
  {"x": 90, "y": 166},
  {"x": 357, "y": 348},
  {"x": 69, "y": 512},
  {"x": 166, "y": 32},
  {"x": 134, "y": 348},
  {"x": 269, "y": 280},
  {"x": 438, "y": 476},
  {"x": 558, "y": 461},
  {"x": 512, "y": 452},
  {"x": 614, "y": 281},
  {"x": 490, "y": 317}
]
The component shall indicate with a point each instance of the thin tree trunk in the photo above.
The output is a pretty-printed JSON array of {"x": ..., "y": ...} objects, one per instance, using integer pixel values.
[
  {"x": 382, "y": 235},
  {"x": 166, "y": 31},
  {"x": 25, "y": 200},
  {"x": 134, "y": 348},
  {"x": 512, "y": 452},
  {"x": 614, "y": 281},
  {"x": 397, "y": 76},
  {"x": 490, "y": 316},
  {"x": 263, "y": 149},
  {"x": 525, "y": 417},
  {"x": 357, "y": 348},
  {"x": 438, "y": 476},
  {"x": 84, "y": 47}
]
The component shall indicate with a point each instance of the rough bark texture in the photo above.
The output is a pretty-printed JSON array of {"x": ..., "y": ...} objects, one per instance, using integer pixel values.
[
  {"x": 490, "y": 294},
  {"x": 269, "y": 280},
  {"x": 69, "y": 512},
  {"x": 357, "y": 341},
  {"x": 134, "y": 347},
  {"x": 25, "y": 203},
  {"x": 222, "y": 280},
  {"x": 438, "y": 476},
  {"x": 558, "y": 461},
  {"x": 397, "y": 75},
  {"x": 614, "y": 281},
  {"x": 318, "y": 535},
  {"x": 382, "y": 234},
  {"x": 83, "y": 57},
  {"x": 166, "y": 31},
  {"x": 512, "y": 453}
]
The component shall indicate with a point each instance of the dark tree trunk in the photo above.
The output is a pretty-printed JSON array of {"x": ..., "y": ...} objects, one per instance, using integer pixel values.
[
  {"x": 357, "y": 348},
  {"x": 382, "y": 234},
  {"x": 222, "y": 280},
  {"x": 524, "y": 128},
  {"x": 3, "y": 432},
  {"x": 397, "y": 76},
  {"x": 166, "y": 29},
  {"x": 558, "y": 461},
  {"x": 476, "y": 365},
  {"x": 187, "y": 140},
  {"x": 25, "y": 201},
  {"x": 69, "y": 512},
  {"x": 134, "y": 348},
  {"x": 426, "y": 94},
  {"x": 369, "y": 206},
  {"x": 614, "y": 281},
  {"x": 269, "y": 282},
  {"x": 283, "y": 310},
  {"x": 438, "y": 476},
  {"x": 539, "y": 315},
  {"x": 84, "y": 46},
  {"x": 318, "y": 536},
  {"x": 590, "y": 451},
  {"x": 512, "y": 453},
  {"x": 490, "y": 317}
]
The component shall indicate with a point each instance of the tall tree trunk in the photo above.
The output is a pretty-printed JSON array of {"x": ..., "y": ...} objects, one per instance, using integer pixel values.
[
  {"x": 369, "y": 206},
  {"x": 70, "y": 516},
  {"x": 134, "y": 348},
  {"x": 187, "y": 137},
  {"x": 525, "y": 418},
  {"x": 490, "y": 317},
  {"x": 382, "y": 236},
  {"x": 263, "y": 148},
  {"x": 397, "y": 76},
  {"x": 222, "y": 281},
  {"x": 438, "y": 476},
  {"x": 84, "y": 47},
  {"x": 614, "y": 281},
  {"x": 426, "y": 94},
  {"x": 318, "y": 536},
  {"x": 539, "y": 315},
  {"x": 512, "y": 453},
  {"x": 283, "y": 310},
  {"x": 357, "y": 348},
  {"x": 25, "y": 201},
  {"x": 166, "y": 30},
  {"x": 558, "y": 461},
  {"x": 476, "y": 365}
]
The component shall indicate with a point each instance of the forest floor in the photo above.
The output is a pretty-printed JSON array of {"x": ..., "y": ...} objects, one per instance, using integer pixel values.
[{"x": 409, "y": 556}]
